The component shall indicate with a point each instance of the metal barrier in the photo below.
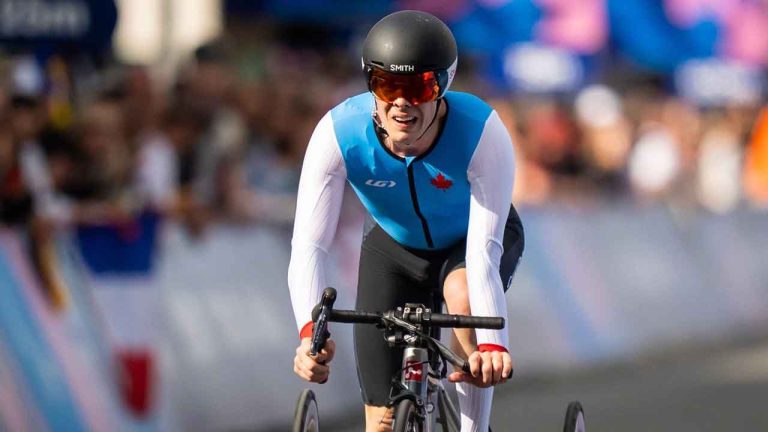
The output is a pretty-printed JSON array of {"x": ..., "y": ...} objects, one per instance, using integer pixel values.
[{"x": 594, "y": 286}]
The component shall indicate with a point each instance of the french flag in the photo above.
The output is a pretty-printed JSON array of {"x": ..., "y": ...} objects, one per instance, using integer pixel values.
[{"x": 120, "y": 258}]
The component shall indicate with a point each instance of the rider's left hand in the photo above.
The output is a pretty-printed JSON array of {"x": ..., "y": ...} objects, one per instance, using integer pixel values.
[{"x": 487, "y": 368}]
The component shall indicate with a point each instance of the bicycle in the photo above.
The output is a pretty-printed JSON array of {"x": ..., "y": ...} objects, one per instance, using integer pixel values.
[{"x": 419, "y": 400}]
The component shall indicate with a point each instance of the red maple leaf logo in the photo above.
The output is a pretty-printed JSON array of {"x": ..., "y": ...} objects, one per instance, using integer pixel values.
[{"x": 441, "y": 182}]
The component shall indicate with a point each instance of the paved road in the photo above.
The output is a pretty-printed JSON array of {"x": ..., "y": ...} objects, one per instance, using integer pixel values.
[{"x": 707, "y": 390}]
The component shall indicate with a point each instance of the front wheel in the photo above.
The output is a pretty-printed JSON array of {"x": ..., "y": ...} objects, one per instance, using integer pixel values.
[
  {"x": 307, "y": 418},
  {"x": 574, "y": 418},
  {"x": 407, "y": 417}
]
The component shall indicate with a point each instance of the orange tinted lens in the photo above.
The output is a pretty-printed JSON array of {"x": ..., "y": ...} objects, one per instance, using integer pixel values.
[{"x": 415, "y": 88}]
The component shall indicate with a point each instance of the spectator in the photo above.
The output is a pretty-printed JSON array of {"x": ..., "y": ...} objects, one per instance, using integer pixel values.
[
  {"x": 607, "y": 139},
  {"x": 16, "y": 206},
  {"x": 156, "y": 163},
  {"x": 551, "y": 145},
  {"x": 183, "y": 127},
  {"x": 208, "y": 87},
  {"x": 105, "y": 165},
  {"x": 719, "y": 167},
  {"x": 27, "y": 122},
  {"x": 28, "y": 195}
]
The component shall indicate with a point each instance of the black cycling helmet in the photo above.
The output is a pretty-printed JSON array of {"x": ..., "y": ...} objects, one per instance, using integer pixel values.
[{"x": 411, "y": 42}]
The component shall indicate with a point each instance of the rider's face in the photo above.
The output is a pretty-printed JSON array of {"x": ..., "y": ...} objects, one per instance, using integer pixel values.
[{"x": 403, "y": 121}]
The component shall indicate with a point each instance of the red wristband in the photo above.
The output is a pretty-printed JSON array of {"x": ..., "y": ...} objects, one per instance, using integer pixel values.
[
  {"x": 491, "y": 347},
  {"x": 306, "y": 331}
]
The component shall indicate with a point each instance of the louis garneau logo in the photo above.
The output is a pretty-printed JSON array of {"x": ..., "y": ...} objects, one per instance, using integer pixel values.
[{"x": 380, "y": 183}]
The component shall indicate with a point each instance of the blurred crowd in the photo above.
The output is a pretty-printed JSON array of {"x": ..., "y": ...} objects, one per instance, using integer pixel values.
[
  {"x": 638, "y": 144},
  {"x": 223, "y": 138}
]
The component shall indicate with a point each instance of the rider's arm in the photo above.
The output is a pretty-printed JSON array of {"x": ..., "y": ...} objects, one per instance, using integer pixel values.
[
  {"x": 491, "y": 175},
  {"x": 319, "y": 200}
]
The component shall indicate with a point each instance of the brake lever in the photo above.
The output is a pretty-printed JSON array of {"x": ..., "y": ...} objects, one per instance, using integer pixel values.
[{"x": 320, "y": 333}]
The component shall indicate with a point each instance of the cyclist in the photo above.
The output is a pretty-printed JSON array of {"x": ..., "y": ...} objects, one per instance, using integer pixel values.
[{"x": 435, "y": 171}]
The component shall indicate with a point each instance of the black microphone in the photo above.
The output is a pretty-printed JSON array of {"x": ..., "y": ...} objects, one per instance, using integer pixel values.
[{"x": 377, "y": 124}]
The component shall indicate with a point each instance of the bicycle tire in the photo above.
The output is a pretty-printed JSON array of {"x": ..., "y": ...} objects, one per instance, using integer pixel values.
[
  {"x": 307, "y": 417},
  {"x": 574, "y": 418},
  {"x": 407, "y": 417}
]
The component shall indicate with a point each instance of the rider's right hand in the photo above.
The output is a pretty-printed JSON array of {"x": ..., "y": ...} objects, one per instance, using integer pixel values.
[{"x": 313, "y": 369}]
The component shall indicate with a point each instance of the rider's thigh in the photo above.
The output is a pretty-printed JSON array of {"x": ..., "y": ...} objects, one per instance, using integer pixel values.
[{"x": 513, "y": 242}]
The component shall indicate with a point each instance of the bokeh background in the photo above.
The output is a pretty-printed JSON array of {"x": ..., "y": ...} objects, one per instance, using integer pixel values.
[{"x": 150, "y": 152}]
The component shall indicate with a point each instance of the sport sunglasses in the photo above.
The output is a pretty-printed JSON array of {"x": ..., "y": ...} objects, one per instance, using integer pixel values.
[{"x": 414, "y": 88}]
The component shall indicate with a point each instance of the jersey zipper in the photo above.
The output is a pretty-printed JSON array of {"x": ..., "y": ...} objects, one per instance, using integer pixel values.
[{"x": 415, "y": 200}]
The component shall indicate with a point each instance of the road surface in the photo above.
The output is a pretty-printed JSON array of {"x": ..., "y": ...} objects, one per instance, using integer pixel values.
[{"x": 722, "y": 389}]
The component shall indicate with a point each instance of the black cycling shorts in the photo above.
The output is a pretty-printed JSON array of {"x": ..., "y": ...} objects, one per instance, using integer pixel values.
[{"x": 392, "y": 275}]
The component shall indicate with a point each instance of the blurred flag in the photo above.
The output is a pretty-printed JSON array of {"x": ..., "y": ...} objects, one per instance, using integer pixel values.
[
  {"x": 534, "y": 45},
  {"x": 120, "y": 257},
  {"x": 662, "y": 35}
]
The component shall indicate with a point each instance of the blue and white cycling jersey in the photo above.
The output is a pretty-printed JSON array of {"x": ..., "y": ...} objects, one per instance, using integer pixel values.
[
  {"x": 422, "y": 201},
  {"x": 460, "y": 188}
]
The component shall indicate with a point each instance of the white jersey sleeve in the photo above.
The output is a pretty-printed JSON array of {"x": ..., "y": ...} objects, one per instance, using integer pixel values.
[
  {"x": 319, "y": 201},
  {"x": 491, "y": 175}
]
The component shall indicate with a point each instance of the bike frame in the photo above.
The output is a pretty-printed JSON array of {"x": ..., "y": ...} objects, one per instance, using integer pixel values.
[
  {"x": 420, "y": 382},
  {"x": 423, "y": 386}
]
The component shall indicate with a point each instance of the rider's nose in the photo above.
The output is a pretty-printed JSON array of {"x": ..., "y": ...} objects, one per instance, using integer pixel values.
[{"x": 401, "y": 102}]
